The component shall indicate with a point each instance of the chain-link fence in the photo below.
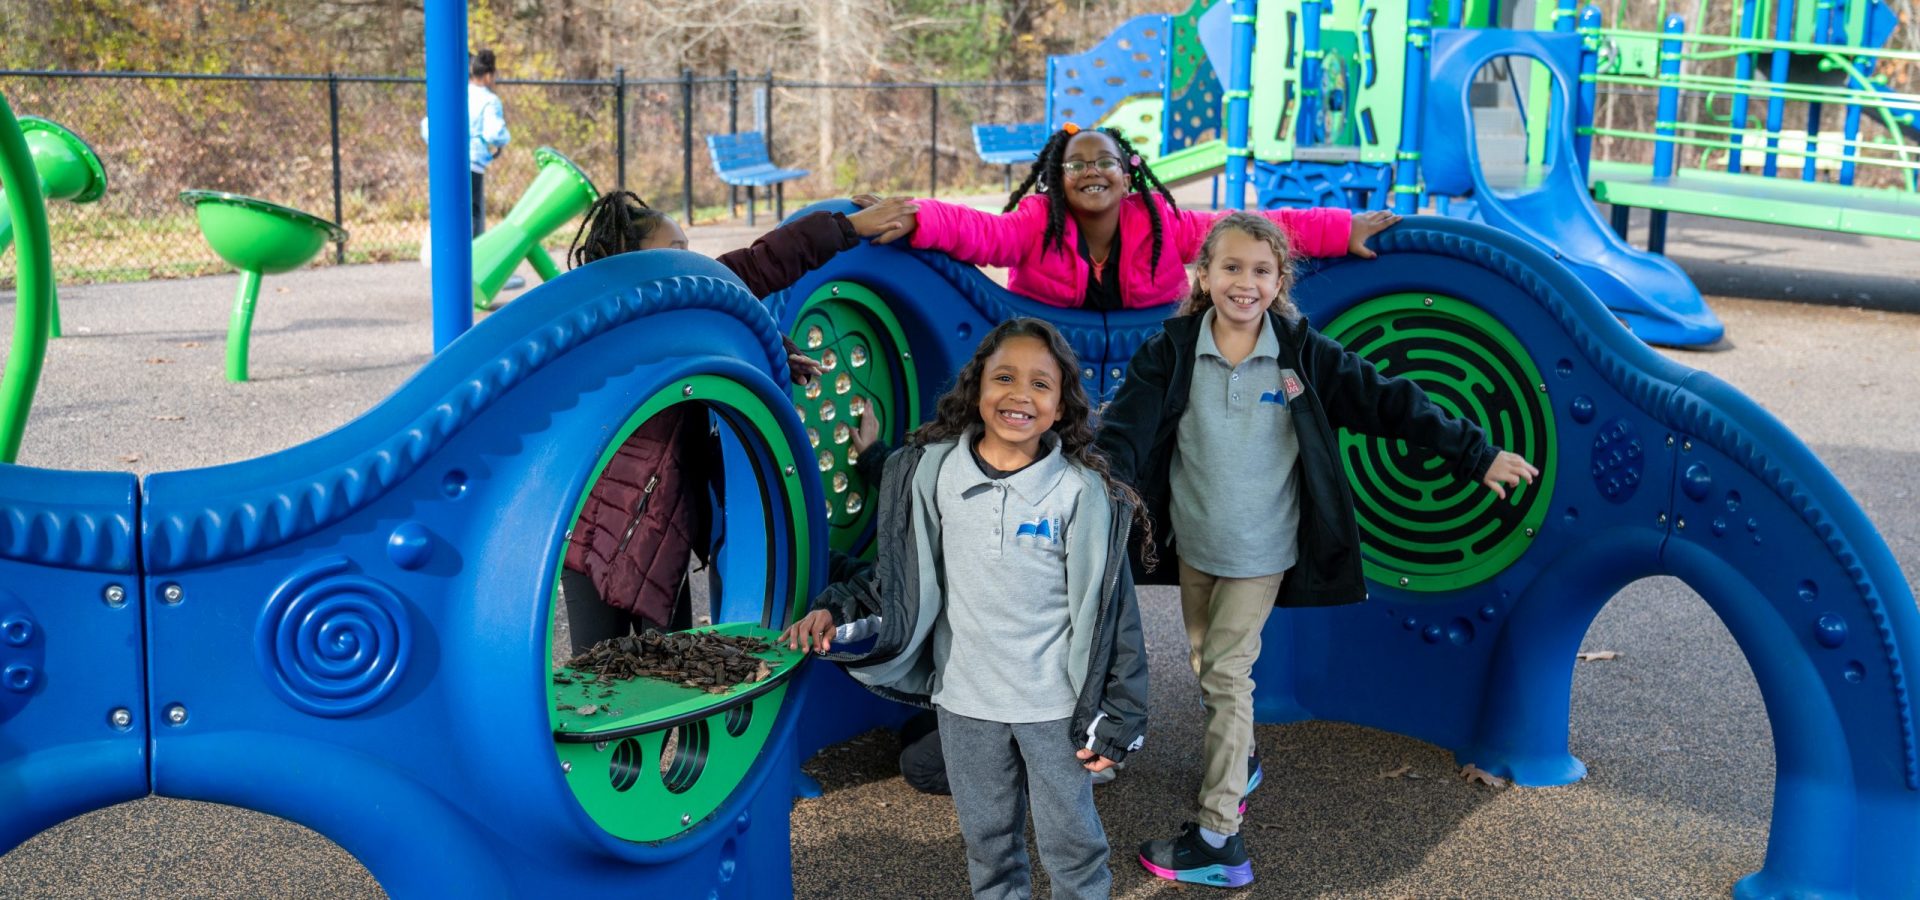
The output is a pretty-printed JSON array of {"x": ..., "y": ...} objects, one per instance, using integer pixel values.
[{"x": 348, "y": 148}]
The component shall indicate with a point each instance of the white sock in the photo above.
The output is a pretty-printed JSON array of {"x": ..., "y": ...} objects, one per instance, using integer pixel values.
[{"x": 1214, "y": 839}]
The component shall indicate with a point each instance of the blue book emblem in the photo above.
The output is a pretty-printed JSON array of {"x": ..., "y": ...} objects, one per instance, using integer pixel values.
[
  {"x": 1273, "y": 397},
  {"x": 1038, "y": 529}
]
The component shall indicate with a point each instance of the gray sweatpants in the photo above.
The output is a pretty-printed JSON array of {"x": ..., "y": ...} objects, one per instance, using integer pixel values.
[{"x": 995, "y": 771}]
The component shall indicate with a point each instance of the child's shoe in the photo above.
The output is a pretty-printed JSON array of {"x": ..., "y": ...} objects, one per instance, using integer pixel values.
[{"x": 1188, "y": 858}]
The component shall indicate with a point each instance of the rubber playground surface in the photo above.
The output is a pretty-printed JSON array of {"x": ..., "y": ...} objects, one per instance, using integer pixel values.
[{"x": 1673, "y": 731}]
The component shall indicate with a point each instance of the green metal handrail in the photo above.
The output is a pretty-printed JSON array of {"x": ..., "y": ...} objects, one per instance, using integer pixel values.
[
  {"x": 1728, "y": 145},
  {"x": 1753, "y": 44},
  {"x": 33, "y": 247}
]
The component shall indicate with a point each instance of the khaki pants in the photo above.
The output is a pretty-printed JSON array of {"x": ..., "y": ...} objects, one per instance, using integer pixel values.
[{"x": 1224, "y": 617}]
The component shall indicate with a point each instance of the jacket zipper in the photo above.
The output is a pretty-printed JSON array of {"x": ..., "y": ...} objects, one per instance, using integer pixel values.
[{"x": 639, "y": 510}]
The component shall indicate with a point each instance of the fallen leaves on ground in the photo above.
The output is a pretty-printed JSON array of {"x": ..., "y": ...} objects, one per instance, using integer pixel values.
[
  {"x": 168, "y": 418},
  {"x": 129, "y": 457},
  {"x": 1402, "y": 772},
  {"x": 1475, "y": 774},
  {"x": 1597, "y": 655},
  {"x": 157, "y": 360},
  {"x": 189, "y": 344}
]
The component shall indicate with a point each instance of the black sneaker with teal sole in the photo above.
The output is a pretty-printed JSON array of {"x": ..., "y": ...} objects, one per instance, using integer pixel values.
[{"x": 1188, "y": 859}]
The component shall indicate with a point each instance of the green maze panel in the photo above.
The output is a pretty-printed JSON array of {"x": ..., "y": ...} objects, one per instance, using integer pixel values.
[
  {"x": 1422, "y": 528},
  {"x": 869, "y": 371}
]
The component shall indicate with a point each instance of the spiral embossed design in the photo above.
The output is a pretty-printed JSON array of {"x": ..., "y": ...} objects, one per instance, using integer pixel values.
[
  {"x": 332, "y": 643},
  {"x": 1425, "y": 529}
]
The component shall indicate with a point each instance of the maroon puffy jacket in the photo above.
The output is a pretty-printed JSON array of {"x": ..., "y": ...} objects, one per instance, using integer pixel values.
[{"x": 649, "y": 509}]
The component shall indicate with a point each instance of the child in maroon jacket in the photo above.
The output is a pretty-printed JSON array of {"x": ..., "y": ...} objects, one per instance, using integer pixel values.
[{"x": 628, "y": 553}]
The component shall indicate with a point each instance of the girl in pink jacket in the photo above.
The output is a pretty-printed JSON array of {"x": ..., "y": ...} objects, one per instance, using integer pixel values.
[{"x": 1101, "y": 231}]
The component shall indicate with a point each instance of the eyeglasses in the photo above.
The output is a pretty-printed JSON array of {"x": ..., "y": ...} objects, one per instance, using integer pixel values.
[{"x": 1106, "y": 164}]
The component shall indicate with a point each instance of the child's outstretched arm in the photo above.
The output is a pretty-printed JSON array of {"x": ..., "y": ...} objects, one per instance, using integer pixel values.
[
  {"x": 782, "y": 256},
  {"x": 1356, "y": 396},
  {"x": 982, "y": 238}
]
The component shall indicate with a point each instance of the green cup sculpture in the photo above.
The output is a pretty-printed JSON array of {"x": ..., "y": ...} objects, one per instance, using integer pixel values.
[
  {"x": 558, "y": 193},
  {"x": 69, "y": 170},
  {"x": 258, "y": 238}
]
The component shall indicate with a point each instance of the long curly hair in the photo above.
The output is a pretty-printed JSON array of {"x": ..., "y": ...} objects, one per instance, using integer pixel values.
[
  {"x": 959, "y": 410},
  {"x": 615, "y": 223},
  {"x": 1046, "y": 177},
  {"x": 1260, "y": 228}
]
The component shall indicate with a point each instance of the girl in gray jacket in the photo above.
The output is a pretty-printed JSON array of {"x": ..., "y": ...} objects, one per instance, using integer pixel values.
[{"x": 1001, "y": 596}]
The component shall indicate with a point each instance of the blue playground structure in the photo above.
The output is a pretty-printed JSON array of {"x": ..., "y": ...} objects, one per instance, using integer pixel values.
[{"x": 356, "y": 633}]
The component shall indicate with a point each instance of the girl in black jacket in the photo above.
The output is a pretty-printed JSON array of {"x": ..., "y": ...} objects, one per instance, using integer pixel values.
[{"x": 1251, "y": 488}]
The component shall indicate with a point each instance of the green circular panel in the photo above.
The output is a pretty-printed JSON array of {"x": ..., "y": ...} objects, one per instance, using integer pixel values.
[
  {"x": 850, "y": 331},
  {"x": 1423, "y": 529},
  {"x": 631, "y": 783}
]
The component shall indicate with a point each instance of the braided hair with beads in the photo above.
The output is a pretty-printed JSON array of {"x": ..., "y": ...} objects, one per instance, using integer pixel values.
[
  {"x": 1047, "y": 176},
  {"x": 615, "y": 223}
]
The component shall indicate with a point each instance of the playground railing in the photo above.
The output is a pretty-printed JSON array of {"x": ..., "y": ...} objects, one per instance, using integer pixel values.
[{"x": 1864, "y": 93}]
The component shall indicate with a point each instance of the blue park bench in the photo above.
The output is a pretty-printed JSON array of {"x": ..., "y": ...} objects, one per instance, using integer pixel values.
[
  {"x": 1010, "y": 145},
  {"x": 741, "y": 160}
]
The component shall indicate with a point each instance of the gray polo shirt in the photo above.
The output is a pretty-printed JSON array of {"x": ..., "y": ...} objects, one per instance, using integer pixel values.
[
  {"x": 1236, "y": 502},
  {"x": 1000, "y": 644}
]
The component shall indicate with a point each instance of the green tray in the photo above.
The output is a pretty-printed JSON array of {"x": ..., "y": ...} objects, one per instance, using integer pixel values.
[{"x": 641, "y": 705}]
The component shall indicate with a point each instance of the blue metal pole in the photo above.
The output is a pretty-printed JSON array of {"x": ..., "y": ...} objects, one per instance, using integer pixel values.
[
  {"x": 1457, "y": 10},
  {"x": 1822, "y": 20},
  {"x": 1307, "y": 132},
  {"x": 1777, "y": 106},
  {"x": 1406, "y": 170},
  {"x": 1239, "y": 93},
  {"x": 1852, "y": 128},
  {"x": 1742, "y": 72},
  {"x": 1588, "y": 96},
  {"x": 1669, "y": 102},
  {"x": 450, "y": 191}
]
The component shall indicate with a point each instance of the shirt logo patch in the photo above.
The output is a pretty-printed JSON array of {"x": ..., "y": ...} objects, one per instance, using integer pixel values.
[
  {"x": 1273, "y": 397},
  {"x": 1045, "y": 528},
  {"x": 1290, "y": 383}
]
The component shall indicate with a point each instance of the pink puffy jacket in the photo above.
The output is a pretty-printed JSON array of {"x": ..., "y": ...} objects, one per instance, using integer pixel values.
[{"x": 1016, "y": 241}]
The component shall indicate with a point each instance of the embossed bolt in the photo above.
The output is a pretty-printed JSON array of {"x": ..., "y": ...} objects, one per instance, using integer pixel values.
[
  {"x": 1403, "y": 581},
  {"x": 789, "y": 471},
  {"x": 17, "y": 630},
  {"x": 565, "y": 767},
  {"x": 1114, "y": 373},
  {"x": 1686, "y": 445},
  {"x": 686, "y": 391},
  {"x": 1669, "y": 440},
  {"x": 1529, "y": 532},
  {"x": 171, "y": 593},
  {"x": 836, "y": 290},
  {"x": 177, "y": 714},
  {"x": 1086, "y": 373},
  {"x": 1663, "y": 518},
  {"x": 116, "y": 596},
  {"x": 1427, "y": 302},
  {"x": 1543, "y": 387},
  {"x": 600, "y": 746},
  {"x": 121, "y": 719},
  {"x": 905, "y": 355},
  {"x": 685, "y": 820}
]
